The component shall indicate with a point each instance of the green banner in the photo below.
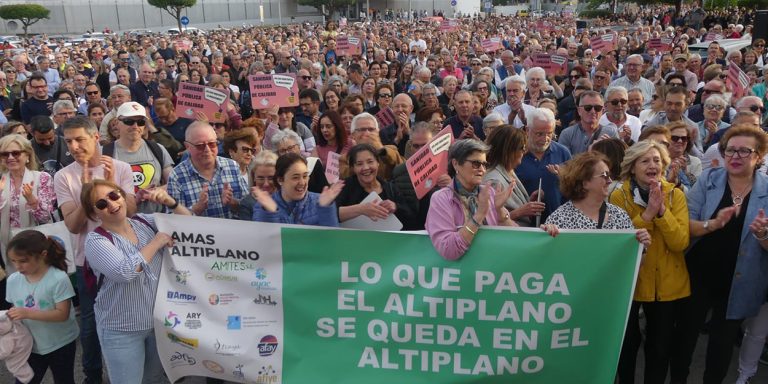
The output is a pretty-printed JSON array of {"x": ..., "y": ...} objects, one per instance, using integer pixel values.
[{"x": 519, "y": 307}]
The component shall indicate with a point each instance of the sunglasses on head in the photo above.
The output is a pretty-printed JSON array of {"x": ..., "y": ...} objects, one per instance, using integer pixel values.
[
  {"x": 140, "y": 122},
  {"x": 101, "y": 204},
  {"x": 15, "y": 154},
  {"x": 588, "y": 108}
]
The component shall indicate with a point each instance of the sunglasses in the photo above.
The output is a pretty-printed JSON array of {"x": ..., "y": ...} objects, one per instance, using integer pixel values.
[
  {"x": 723, "y": 76},
  {"x": 756, "y": 108},
  {"x": 682, "y": 139},
  {"x": 15, "y": 154},
  {"x": 93, "y": 93},
  {"x": 101, "y": 204},
  {"x": 385, "y": 95},
  {"x": 588, "y": 108},
  {"x": 247, "y": 150},
  {"x": 605, "y": 175},
  {"x": 476, "y": 164},
  {"x": 201, "y": 146},
  {"x": 140, "y": 122},
  {"x": 306, "y": 77},
  {"x": 714, "y": 107},
  {"x": 618, "y": 101}
]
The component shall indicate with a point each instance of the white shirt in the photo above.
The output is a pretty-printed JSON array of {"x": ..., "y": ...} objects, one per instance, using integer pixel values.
[
  {"x": 633, "y": 122},
  {"x": 505, "y": 109}
]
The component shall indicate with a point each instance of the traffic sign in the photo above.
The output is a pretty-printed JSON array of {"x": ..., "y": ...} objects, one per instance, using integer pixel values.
[
  {"x": 453, "y": 3},
  {"x": 488, "y": 5},
  {"x": 184, "y": 20}
]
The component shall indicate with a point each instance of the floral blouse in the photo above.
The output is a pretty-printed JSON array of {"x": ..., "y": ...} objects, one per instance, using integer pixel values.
[{"x": 45, "y": 197}]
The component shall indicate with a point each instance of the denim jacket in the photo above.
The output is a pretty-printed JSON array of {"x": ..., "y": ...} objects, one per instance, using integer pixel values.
[
  {"x": 750, "y": 279},
  {"x": 306, "y": 211}
]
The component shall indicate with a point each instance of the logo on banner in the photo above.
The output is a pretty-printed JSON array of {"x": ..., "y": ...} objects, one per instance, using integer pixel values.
[
  {"x": 267, "y": 375},
  {"x": 222, "y": 298},
  {"x": 181, "y": 297},
  {"x": 183, "y": 341},
  {"x": 234, "y": 322},
  {"x": 226, "y": 349},
  {"x": 217, "y": 277},
  {"x": 172, "y": 320},
  {"x": 193, "y": 320},
  {"x": 261, "y": 282},
  {"x": 264, "y": 300},
  {"x": 267, "y": 345},
  {"x": 179, "y": 359},
  {"x": 238, "y": 372},
  {"x": 213, "y": 366},
  {"x": 230, "y": 266},
  {"x": 181, "y": 276}
]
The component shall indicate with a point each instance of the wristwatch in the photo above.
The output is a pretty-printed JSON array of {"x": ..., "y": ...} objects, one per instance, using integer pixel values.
[{"x": 706, "y": 225}]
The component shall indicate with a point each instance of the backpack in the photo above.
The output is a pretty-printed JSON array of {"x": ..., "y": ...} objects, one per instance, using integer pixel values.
[
  {"x": 92, "y": 283},
  {"x": 109, "y": 150}
]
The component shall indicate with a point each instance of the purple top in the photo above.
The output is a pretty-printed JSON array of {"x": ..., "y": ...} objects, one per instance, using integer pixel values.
[{"x": 446, "y": 217}]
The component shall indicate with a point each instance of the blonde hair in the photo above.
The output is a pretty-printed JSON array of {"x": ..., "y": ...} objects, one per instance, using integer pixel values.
[
  {"x": 638, "y": 150},
  {"x": 25, "y": 146}
]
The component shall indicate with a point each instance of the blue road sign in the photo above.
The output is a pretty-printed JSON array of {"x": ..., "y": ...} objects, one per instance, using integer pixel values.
[
  {"x": 453, "y": 3},
  {"x": 184, "y": 20}
]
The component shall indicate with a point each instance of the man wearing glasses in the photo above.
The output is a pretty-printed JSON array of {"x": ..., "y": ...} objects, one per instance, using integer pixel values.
[
  {"x": 616, "y": 117},
  {"x": 82, "y": 138},
  {"x": 633, "y": 79},
  {"x": 577, "y": 138},
  {"x": 124, "y": 61},
  {"x": 51, "y": 75},
  {"x": 207, "y": 184},
  {"x": 40, "y": 104},
  {"x": 150, "y": 162},
  {"x": 713, "y": 87}
]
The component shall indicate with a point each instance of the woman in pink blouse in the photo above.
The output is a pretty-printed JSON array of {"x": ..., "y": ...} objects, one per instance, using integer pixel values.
[{"x": 26, "y": 195}]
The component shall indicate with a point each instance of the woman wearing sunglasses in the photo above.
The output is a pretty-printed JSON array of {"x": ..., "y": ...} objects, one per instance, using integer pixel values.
[
  {"x": 459, "y": 210},
  {"x": 656, "y": 206},
  {"x": 26, "y": 195},
  {"x": 126, "y": 255},
  {"x": 728, "y": 253}
]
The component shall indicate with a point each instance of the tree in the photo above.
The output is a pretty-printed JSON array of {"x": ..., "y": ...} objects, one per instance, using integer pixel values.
[
  {"x": 173, "y": 7},
  {"x": 28, "y": 14},
  {"x": 331, "y": 6}
]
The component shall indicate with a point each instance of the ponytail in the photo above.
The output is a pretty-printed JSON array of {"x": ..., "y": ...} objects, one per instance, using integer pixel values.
[
  {"x": 32, "y": 243},
  {"x": 57, "y": 255}
]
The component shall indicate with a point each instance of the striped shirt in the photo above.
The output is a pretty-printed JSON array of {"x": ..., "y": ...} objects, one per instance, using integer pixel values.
[
  {"x": 126, "y": 299},
  {"x": 185, "y": 185},
  {"x": 645, "y": 85}
]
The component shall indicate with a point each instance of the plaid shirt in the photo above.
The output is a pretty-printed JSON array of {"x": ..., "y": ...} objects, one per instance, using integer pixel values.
[{"x": 185, "y": 185}]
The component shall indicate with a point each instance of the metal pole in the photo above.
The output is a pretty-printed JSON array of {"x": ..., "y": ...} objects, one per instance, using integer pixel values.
[
  {"x": 368, "y": 9},
  {"x": 279, "y": 14},
  {"x": 90, "y": 8},
  {"x": 143, "y": 15},
  {"x": 202, "y": 3},
  {"x": 229, "y": 12}
]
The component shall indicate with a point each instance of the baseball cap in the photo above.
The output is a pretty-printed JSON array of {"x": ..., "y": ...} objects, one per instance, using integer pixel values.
[
  {"x": 131, "y": 109},
  {"x": 681, "y": 56}
]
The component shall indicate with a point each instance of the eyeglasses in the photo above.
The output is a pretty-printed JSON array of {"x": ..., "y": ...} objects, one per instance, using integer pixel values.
[
  {"x": 365, "y": 129},
  {"x": 101, "y": 204},
  {"x": 475, "y": 64},
  {"x": 714, "y": 107},
  {"x": 618, "y": 101},
  {"x": 201, "y": 146},
  {"x": 682, "y": 139},
  {"x": 288, "y": 149},
  {"x": 385, "y": 95},
  {"x": 10, "y": 71},
  {"x": 516, "y": 61},
  {"x": 589, "y": 108},
  {"x": 92, "y": 93},
  {"x": 676, "y": 84},
  {"x": 605, "y": 175},
  {"x": 247, "y": 150},
  {"x": 723, "y": 75},
  {"x": 476, "y": 164},
  {"x": 140, "y": 122},
  {"x": 712, "y": 91},
  {"x": 741, "y": 152},
  {"x": 306, "y": 77},
  {"x": 15, "y": 154},
  {"x": 756, "y": 108}
]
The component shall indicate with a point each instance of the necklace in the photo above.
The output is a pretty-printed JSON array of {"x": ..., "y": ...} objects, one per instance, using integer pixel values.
[{"x": 738, "y": 198}]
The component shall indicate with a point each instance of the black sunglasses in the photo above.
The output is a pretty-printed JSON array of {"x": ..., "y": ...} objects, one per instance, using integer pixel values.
[
  {"x": 306, "y": 77},
  {"x": 588, "y": 108},
  {"x": 476, "y": 164},
  {"x": 683, "y": 139},
  {"x": 756, "y": 108},
  {"x": 140, "y": 122},
  {"x": 618, "y": 101},
  {"x": 100, "y": 204},
  {"x": 15, "y": 154}
]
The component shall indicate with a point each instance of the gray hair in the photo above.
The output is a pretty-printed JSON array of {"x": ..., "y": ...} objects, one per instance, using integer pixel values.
[
  {"x": 285, "y": 134},
  {"x": 429, "y": 86},
  {"x": 744, "y": 101},
  {"x": 362, "y": 116},
  {"x": 716, "y": 99},
  {"x": 638, "y": 90},
  {"x": 461, "y": 149},
  {"x": 635, "y": 56},
  {"x": 120, "y": 87},
  {"x": 486, "y": 71},
  {"x": 492, "y": 118},
  {"x": 541, "y": 115},
  {"x": 514, "y": 79},
  {"x": 423, "y": 70},
  {"x": 535, "y": 71},
  {"x": 421, "y": 126},
  {"x": 62, "y": 104},
  {"x": 265, "y": 157},
  {"x": 615, "y": 89}
]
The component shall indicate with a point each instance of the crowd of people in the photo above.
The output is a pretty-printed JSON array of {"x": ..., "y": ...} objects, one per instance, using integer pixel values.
[{"x": 635, "y": 138}]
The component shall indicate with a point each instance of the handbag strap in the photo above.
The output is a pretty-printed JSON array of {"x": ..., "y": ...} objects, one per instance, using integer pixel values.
[{"x": 601, "y": 215}]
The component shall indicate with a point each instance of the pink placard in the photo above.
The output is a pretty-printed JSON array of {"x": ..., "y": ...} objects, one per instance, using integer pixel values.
[
  {"x": 552, "y": 64},
  {"x": 193, "y": 98},
  {"x": 663, "y": 44},
  {"x": 449, "y": 25},
  {"x": 348, "y": 46},
  {"x": 386, "y": 117},
  {"x": 737, "y": 80},
  {"x": 603, "y": 43},
  {"x": 270, "y": 90},
  {"x": 332, "y": 167},
  {"x": 430, "y": 162},
  {"x": 491, "y": 45},
  {"x": 183, "y": 44},
  {"x": 713, "y": 36}
]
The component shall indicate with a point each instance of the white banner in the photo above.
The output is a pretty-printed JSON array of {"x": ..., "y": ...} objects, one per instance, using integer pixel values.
[{"x": 219, "y": 309}]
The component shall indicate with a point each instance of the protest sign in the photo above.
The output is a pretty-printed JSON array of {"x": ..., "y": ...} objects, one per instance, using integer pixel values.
[
  {"x": 603, "y": 43},
  {"x": 552, "y": 64},
  {"x": 491, "y": 45},
  {"x": 348, "y": 46},
  {"x": 332, "y": 167},
  {"x": 663, "y": 44},
  {"x": 712, "y": 36},
  {"x": 385, "y": 117},
  {"x": 391, "y": 223},
  {"x": 449, "y": 25},
  {"x": 737, "y": 80},
  {"x": 270, "y": 90},
  {"x": 193, "y": 98},
  {"x": 183, "y": 44},
  {"x": 519, "y": 306},
  {"x": 430, "y": 162}
]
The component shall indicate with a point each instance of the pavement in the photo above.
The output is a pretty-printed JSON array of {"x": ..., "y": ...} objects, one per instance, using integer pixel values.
[{"x": 697, "y": 369}]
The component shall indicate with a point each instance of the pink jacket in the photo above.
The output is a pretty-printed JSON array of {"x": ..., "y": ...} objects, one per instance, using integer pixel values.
[{"x": 15, "y": 347}]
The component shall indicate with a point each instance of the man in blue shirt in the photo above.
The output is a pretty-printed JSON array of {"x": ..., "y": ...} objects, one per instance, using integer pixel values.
[
  {"x": 464, "y": 124},
  {"x": 542, "y": 160}
]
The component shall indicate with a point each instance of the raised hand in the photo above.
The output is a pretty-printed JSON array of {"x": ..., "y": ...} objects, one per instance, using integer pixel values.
[
  {"x": 202, "y": 203},
  {"x": 27, "y": 192},
  {"x": 109, "y": 168},
  {"x": 227, "y": 196},
  {"x": 328, "y": 196},
  {"x": 759, "y": 224}
]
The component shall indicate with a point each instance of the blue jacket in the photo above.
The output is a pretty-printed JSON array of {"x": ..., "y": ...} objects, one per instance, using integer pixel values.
[
  {"x": 307, "y": 212},
  {"x": 750, "y": 279}
]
